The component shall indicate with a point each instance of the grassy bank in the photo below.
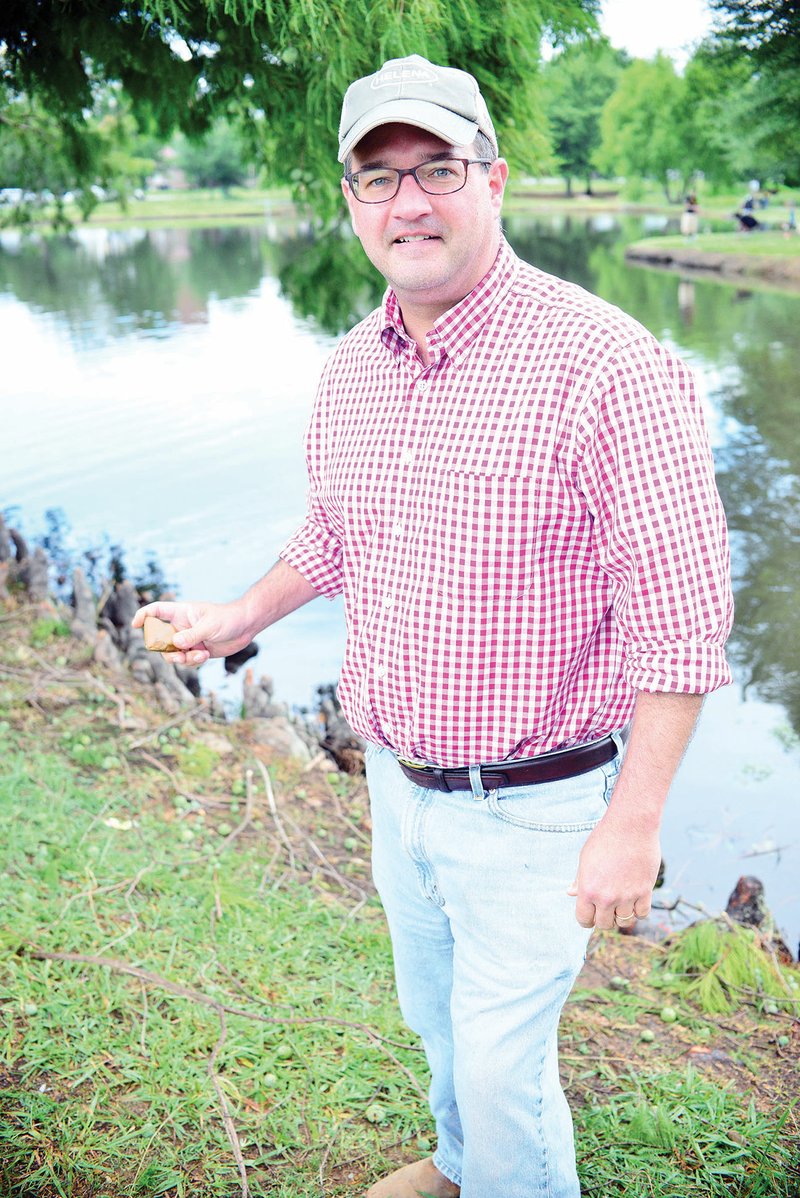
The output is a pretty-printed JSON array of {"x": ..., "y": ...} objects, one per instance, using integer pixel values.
[
  {"x": 204, "y": 206},
  {"x": 195, "y": 979},
  {"x": 253, "y": 203},
  {"x": 769, "y": 256}
]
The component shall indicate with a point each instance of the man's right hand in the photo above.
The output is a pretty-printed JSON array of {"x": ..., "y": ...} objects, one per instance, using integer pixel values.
[{"x": 204, "y": 629}]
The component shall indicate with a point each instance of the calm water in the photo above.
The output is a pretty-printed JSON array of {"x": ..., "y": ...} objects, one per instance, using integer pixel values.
[{"x": 155, "y": 385}]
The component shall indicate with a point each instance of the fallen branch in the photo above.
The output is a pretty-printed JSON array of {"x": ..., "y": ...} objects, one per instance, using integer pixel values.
[
  {"x": 227, "y": 1120},
  {"x": 273, "y": 809},
  {"x": 19, "y": 613},
  {"x": 153, "y": 979}
]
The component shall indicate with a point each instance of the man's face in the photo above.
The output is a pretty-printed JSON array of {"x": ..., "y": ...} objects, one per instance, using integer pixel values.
[{"x": 431, "y": 249}]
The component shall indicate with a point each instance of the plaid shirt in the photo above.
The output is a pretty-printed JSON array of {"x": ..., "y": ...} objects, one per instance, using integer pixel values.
[{"x": 526, "y": 531}]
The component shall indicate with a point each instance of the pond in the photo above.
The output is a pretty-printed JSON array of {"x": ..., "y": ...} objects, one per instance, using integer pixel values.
[{"x": 155, "y": 388}]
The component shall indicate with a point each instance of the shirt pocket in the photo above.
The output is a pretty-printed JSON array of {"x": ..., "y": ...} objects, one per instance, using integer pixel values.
[{"x": 483, "y": 536}]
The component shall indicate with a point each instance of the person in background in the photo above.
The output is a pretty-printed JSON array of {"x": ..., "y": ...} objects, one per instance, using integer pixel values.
[
  {"x": 690, "y": 220},
  {"x": 510, "y": 483},
  {"x": 747, "y": 223}
]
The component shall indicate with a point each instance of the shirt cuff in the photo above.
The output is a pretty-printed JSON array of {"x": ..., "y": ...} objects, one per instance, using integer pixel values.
[
  {"x": 316, "y": 555},
  {"x": 682, "y": 667}
]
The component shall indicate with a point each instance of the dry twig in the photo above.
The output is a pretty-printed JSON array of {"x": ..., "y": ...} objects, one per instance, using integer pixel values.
[
  {"x": 153, "y": 979},
  {"x": 273, "y": 809},
  {"x": 227, "y": 1120}
]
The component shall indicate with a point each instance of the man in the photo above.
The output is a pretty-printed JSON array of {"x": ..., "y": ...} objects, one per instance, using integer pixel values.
[{"x": 510, "y": 482}]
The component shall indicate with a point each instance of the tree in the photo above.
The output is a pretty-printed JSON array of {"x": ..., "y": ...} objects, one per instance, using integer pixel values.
[
  {"x": 577, "y": 83},
  {"x": 277, "y": 70},
  {"x": 767, "y": 34},
  {"x": 713, "y": 117},
  {"x": 217, "y": 159},
  {"x": 39, "y": 153},
  {"x": 640, "y": 133}
]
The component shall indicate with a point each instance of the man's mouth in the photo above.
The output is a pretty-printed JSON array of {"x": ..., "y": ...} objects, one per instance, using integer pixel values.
[{"x": 410, "y": 238}]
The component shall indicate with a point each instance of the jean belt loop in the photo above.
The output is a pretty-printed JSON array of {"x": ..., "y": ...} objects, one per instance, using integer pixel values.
[
  {"x": 476, "y": 782},
  {"x": 620, "y": 739}
]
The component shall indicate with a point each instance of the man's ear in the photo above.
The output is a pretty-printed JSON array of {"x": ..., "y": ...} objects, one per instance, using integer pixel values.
[{"x": 498, "y": 177}]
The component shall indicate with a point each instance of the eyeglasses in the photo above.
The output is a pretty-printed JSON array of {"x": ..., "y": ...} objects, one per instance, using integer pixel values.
[{"x": 441, "y": 177}]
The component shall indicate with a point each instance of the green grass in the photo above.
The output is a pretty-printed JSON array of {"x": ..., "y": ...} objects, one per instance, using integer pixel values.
[
  {"x": 763, "y": 244},
  {"x": 155, "y": 973},
  {"x": 676, "y": 1135},
  {"x": 111, "y": 1075},
  {"x": 199, "y": 206}
]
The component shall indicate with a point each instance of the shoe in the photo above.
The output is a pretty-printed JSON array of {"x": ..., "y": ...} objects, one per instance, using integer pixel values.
[{"x": 418, "y": 1180}]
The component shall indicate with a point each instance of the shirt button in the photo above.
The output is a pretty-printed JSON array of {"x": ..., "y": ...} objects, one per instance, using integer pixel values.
[
  {"x": 381, "y": 670},
  {"x": 388, "y": 600},
  {"x": 422, "y": 384},
  {"x": 407, "y": 457},
  {"x": 397, "y": 529}
]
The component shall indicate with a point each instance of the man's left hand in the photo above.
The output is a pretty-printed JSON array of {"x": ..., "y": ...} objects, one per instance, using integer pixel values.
[{"x": 617, "y": 871}]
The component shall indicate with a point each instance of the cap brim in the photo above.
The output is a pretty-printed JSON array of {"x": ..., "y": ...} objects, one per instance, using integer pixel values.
[{"x": 454, "y": 129}]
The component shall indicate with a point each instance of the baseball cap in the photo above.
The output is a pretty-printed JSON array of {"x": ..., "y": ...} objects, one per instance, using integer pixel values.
[{"x": 412, "y": 91}]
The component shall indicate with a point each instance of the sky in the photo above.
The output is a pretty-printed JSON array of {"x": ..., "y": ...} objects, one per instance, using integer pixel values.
[{"x": 644, "y": 26}]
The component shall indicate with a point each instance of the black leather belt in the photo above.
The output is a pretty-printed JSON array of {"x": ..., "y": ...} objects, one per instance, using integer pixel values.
[{"x": 549, "y": 767}]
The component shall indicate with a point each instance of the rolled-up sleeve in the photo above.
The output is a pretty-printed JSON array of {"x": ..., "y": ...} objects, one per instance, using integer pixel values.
[
  {"x": 317, "y": 554},
  {"x": 659, "y": 530}
]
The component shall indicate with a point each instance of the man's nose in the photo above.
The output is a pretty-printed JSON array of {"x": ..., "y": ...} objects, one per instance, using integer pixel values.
[{"x": 411, "y": 200}]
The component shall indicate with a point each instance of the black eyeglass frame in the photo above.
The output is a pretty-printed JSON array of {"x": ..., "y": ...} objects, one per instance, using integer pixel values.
[{"x": 412, "y": 170}]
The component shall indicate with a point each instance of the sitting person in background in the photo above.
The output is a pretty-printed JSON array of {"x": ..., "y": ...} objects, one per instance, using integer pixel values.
[{"x": 747, "y": 222}]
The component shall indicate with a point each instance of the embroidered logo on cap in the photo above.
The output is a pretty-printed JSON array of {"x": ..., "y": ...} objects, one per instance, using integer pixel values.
[{"x": 397, "y": 76}]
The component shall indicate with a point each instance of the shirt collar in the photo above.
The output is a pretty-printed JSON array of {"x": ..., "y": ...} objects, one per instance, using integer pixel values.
[{"x": 457, "y": 327}]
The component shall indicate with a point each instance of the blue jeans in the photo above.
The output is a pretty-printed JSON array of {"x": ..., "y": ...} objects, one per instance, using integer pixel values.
[{"x": 486, "y": 949}]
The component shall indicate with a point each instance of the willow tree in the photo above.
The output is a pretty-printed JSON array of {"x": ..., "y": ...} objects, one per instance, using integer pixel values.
[
  {"x": 278, "y": 68},
  {"x": 766, "y": 33}
]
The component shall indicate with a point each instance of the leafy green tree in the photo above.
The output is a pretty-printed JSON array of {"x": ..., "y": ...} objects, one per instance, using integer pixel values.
[
  {"x": 767, "y": 34},
  {"x": 217, "y": 159},
  {"x": 577, "y": 83},
  {"x": 639, "y": 130},
  {"x": 279, "y": 70},
  {"x": 39, "y": 153},
  {"x": 713, "y": 116}
]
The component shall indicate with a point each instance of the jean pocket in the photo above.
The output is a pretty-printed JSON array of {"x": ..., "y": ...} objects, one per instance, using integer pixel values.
[{"x": 571, "y": 805}]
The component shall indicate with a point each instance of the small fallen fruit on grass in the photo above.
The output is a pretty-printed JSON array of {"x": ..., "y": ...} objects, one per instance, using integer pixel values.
[
  {"x": 647, "y": 1035},
  {"x": 375, "y": 1113},
  {"x": 668, "y": 1014}
]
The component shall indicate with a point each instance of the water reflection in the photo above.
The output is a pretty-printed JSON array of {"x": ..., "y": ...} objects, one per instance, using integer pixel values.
[
  {"x": 329, "y": 279},
  {"x": 112, "y": 285}
]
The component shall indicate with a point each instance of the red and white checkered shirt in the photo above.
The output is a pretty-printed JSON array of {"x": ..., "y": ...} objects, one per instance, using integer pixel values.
[{"x": 526, "y": 531}]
